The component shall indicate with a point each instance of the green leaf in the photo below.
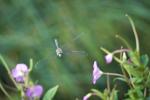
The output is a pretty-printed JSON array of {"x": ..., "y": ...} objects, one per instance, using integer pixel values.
[
  {"x": 103, "y": 96},
  {"x": 134, "y": 58},
  {"x": 50, "y": 93},
  {"x": 135, "y": 94},
  {"x": 119, "y": 78},
  {"x": 144, "y": 59},
  {"x": 135, "y": 71},
  {"x": 114, "y": 95}
]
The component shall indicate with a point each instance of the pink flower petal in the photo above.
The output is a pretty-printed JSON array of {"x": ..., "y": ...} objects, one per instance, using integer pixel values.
[
  {"x": 22, "y": 67},
  {"x": 97, "y": 73},
  {"x": 86, "y": 97},
  {"x": 34, "y": 91},
  {"x": 108, "y": 58},
  {"x": 19, "y": 72}
]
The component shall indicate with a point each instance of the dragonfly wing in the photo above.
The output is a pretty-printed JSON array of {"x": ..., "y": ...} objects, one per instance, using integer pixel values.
[{"x": 75, "y": 53}]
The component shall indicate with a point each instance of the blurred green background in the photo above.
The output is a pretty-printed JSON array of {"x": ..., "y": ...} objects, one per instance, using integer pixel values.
[{"x": 28, "y": 29}]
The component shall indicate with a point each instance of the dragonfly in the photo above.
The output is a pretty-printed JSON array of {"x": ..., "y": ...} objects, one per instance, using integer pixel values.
[{"x": 59, "y": 51}]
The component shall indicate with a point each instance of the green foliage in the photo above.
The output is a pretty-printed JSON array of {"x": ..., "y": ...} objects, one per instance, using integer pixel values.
[
  {"x": 26, "y": 84},
  {"x": 27, "y": 29},
  {"x": 134, "y": 57},
  {"x": 102, "y": 95},
  {"x": 144, "y": 60},
  {"x": 49, "y": 95},
  {"x": 106, "y": 95},
  {"x": 135, "y": 71},
  {"x": 114, "y": 94},
  {"x": 135, "y": 94}
]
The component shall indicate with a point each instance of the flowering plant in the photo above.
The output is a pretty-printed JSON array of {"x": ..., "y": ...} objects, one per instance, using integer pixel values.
[
  {"x": 135, "y": 73},
  {"x": 27, "y": 88}
]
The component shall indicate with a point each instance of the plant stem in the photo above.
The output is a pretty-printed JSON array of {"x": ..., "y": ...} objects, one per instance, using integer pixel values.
[
  {"x": 31, "y": 64},
  {"x": 121, "y": 50},
  {"x": 108, "y": 84},
  {"x": 122, "y": 69},
  {"x": 145, "y": 90},
  {"x": 11, "y": 88},
  {"x": 113, "y": 74},
  {"x": 124, "y": 41},
  {"x": 22, "y": 94},
  {"x": 4, "y": 91},
  {"x": 8, "y": 70},
  {"x": 135, "y": 33}
]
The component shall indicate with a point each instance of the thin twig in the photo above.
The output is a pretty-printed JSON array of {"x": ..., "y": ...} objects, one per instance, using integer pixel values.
[
  {"x": 135, "y": 33},
  {"x": 5, "y": 92},
  {"x": 8, "y": 70},
  {"x": 108, "y": 84},
  {"x": 113, "y": 74},
  {"x": 122, "y": 69},
  {"x": 124, "y": 41}
]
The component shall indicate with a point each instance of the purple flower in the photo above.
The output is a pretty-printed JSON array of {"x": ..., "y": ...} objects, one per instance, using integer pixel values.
[
  {"x": 109, "y": 58},
  {"x": 20, "y": 72},
  {"x": 97, "y": 73},
  {"x": 86, "y": 97},
  {"x": 34, "y": 91}
]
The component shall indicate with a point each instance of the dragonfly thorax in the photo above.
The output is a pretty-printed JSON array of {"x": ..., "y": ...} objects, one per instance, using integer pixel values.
[{"x": 59, "y": 52}]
